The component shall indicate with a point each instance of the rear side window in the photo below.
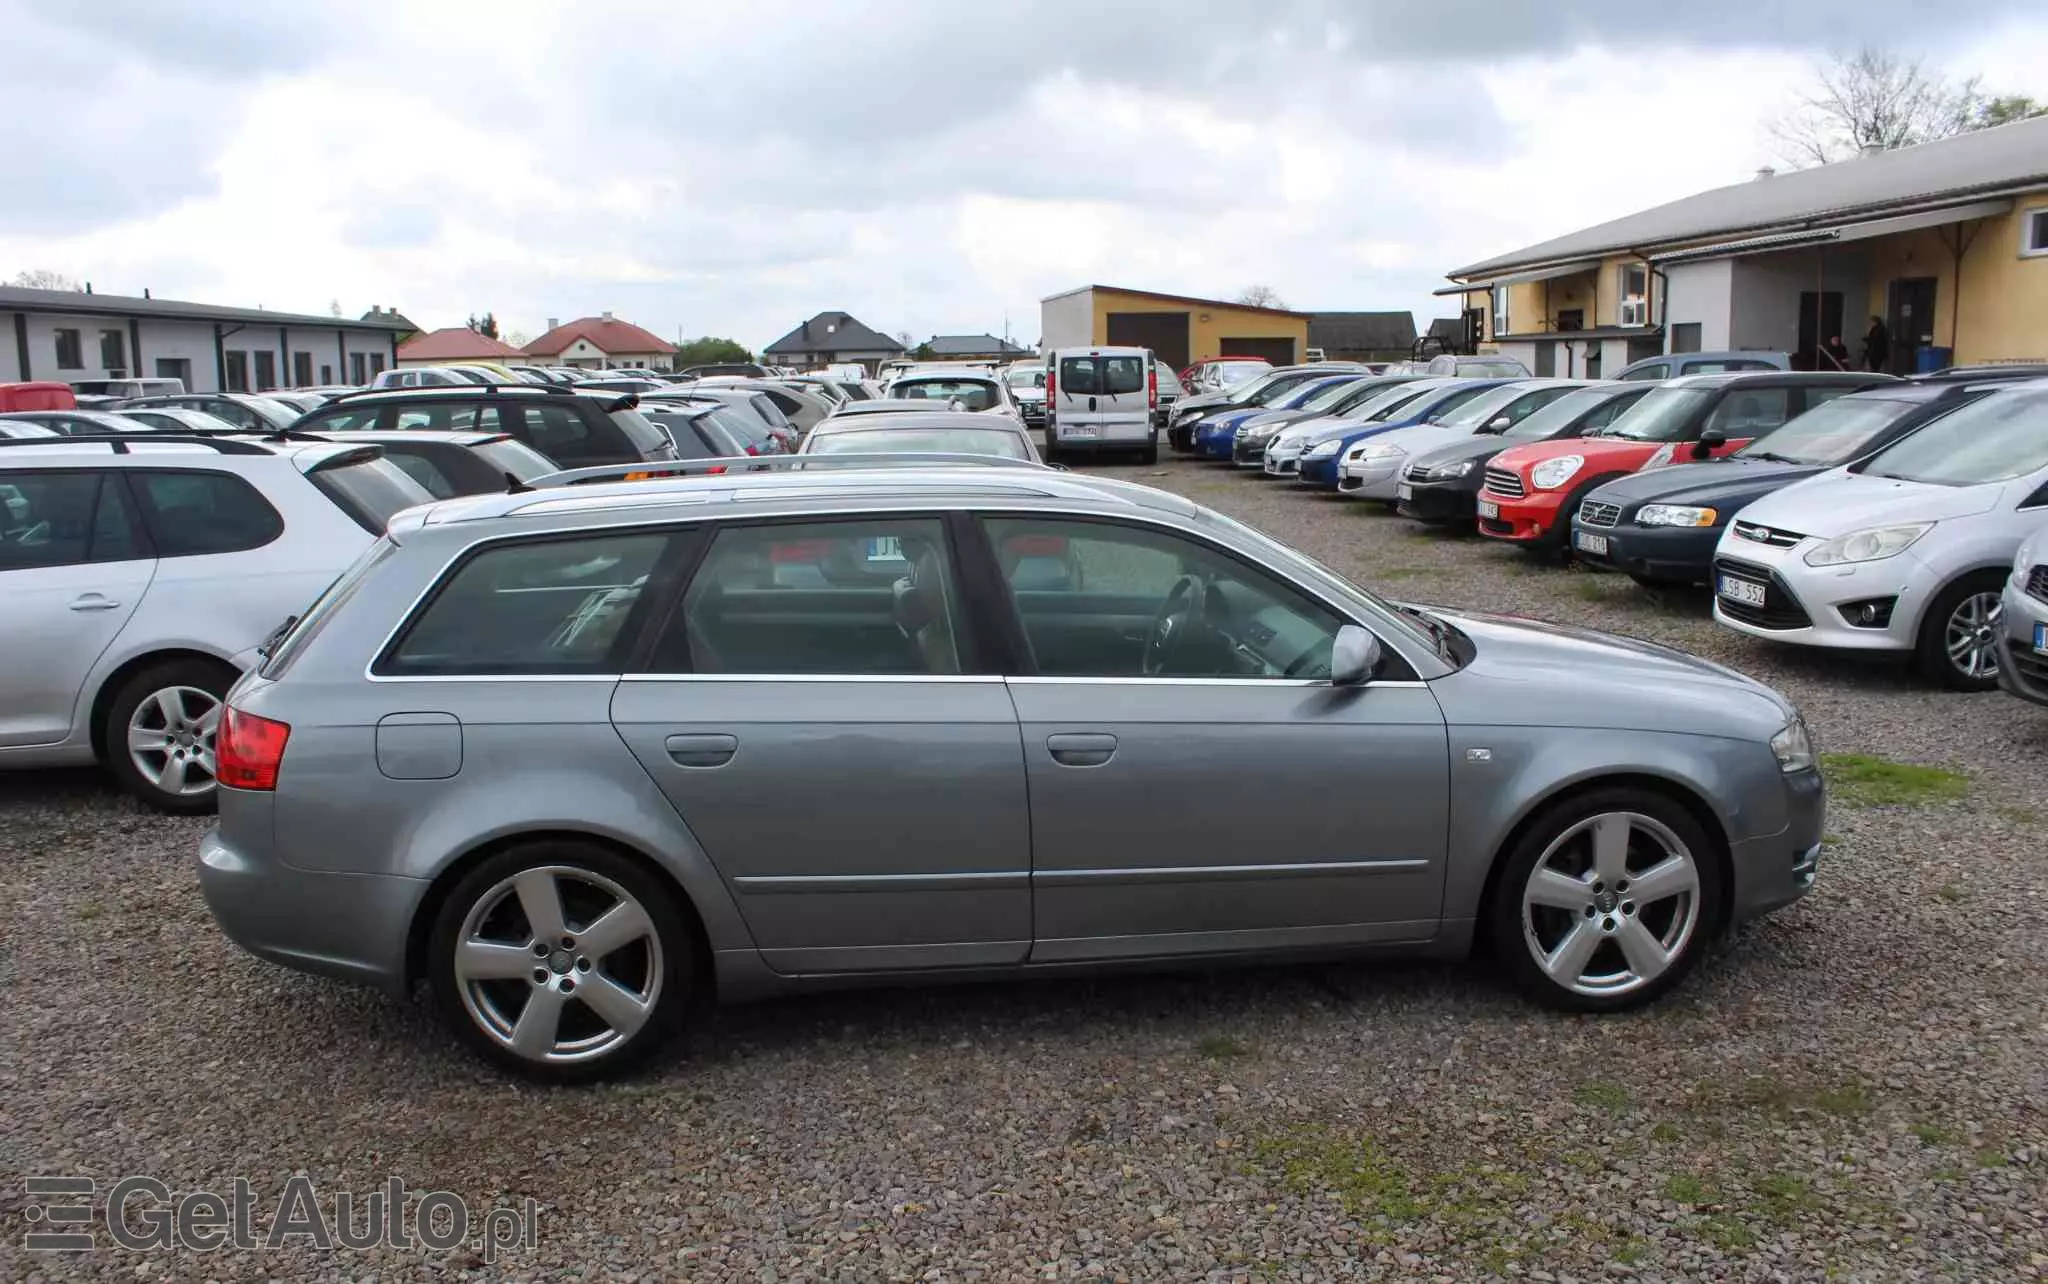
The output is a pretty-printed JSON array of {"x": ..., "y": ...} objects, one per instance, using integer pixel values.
[
  {"x": 195, "y": 513},
  {"x": 514, "y": 457},
  {"x": 371, "y": 491},
  {"x": 561, "y": 434},
  {"x": 422, "y": 470},
  {"x": 644, "y": 435},
  {"x": 342, "y": 419},
  {"x": 536, "y": 607},
  {"x": 1746, "y": 412},
  {"x": 64, "y": 519},
  {"x": 446, "y": 416},
  {"x": 302, "y": 629}
]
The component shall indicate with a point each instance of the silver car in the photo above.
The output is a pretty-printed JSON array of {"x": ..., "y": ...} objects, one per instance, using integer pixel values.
[{"x": 578, "y": 756}]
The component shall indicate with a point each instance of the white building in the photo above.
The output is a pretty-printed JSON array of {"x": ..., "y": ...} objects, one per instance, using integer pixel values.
[{"x": 67, "y": 336}]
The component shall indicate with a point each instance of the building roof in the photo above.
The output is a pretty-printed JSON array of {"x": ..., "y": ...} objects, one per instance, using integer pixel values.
[
  {"x": 606, "y": 333},
  {"x": 1960, "y": 168},
  {"x": 14, "y": 298},
  {"x": 1447, "y": 328},
  {"x": 456, "y": 343},
  {"x": 1361, "y": 331},
  {"x": 972, "y": 345},
  {"x": 830, "y": 332},
  {"x": 378, "y": 312},
  {"x": 1176, "y": 298}
]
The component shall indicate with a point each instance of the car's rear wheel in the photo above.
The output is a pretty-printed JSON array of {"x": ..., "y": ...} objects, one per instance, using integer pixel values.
[
  {"x": 1052, "y": 447},
  {"x": 1960, "y": 635},
  {"x": 1151, "y": 452},
  {"x": 1606, "y": 900},
  {"x": 159, "y": 732},
  {"x": 562, "y": 961}
]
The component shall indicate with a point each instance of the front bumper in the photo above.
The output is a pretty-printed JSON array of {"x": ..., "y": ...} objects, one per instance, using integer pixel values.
[
  {"x": 1802, "y": 603},
  {"x": 1249, "y": 452},
  {"x": 1278, "y": 463},
  {"x": 350, "y": 926},
  {"x": 2023, "y": 669},
  {"x": 1773, "y": 871},
  {"x": 1216, "y": 443},
  {"x": 1674, "y": 554},
  {"x": 1531, "y": 519},
  {"x": 1371, "y": 478},
  {"x": 1319, "y": 471},
  {"x": 1440, "y": 502}
]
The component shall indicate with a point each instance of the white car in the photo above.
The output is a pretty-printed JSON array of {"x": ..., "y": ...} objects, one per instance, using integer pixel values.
[
  {"x": 1906, "y": 551},
  {"x": 1371, "y": 469},
  {"x": 141, "y": 576},
  {"x": 2024, "y": 668}
]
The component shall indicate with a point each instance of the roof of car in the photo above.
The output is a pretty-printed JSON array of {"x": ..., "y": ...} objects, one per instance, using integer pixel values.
[
  {"x": 918, "y": 419},
  {"x": 460, "y": 390},
  {"x": 980, "y": 375},
  {"x": 1724, "y": 378},
  {"x": 142, "y": 448},
  {"x": 413, "y": 436}
]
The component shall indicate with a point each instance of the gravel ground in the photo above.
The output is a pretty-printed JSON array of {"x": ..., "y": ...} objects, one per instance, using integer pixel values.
[{"x": 1853, "y": 1089}]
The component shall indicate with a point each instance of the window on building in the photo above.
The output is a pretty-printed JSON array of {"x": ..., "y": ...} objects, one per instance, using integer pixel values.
[
  {"x": 1571, "y": 319},
  {"x": 69, "y": 354},
  {"x": 179, "y": 368},
  {"x": 113, "y": 351},
  {"x": 266, "y": 370},
  {"x": 2034, "y": 232},
  {"x": 357, "y": 368},
  {"x": 1500, "y": 310},
  {"x": 376, "y": 364},
  {"x": 238, "y": 372},
  {"x": 302, "y": 369},
  {"x": 1685, "y": 336},
  {"x": 1635, "y": 294},
  {"x": 326, "y": 376}
]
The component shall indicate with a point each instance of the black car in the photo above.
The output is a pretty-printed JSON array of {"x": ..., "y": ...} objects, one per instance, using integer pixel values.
[
  {"x": 1248, "y": 447},
  {"x": 448, "y": 464},
  {"x": 1690, "y": 505},
  {"x": 1262, "y": 391},
  {"x": 571, "y": 428},
  {"x": 1442, "y": 487},
  {"x": 248, "y": 410},
  {"x": 709, "y": 430}
]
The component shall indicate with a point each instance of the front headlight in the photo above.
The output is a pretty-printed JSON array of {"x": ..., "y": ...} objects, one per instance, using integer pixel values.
[
  {"x": 1447, "y": 472},
  {"x": 1873, "y": 545},
  {"x": 1189, "y": 416},
  {"x": 1793, "y": 746},
  {"x": 1380, "y": 450},
  {"x": 1324, "y": 449},
  {"x": 1552, "y": 473},
  {"x": 1675, "y": 515}
]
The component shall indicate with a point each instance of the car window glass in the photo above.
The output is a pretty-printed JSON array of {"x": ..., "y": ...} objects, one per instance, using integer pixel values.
[
  {"x": 341, "y": 419},
  {"x": 370, "y": 492},
  {"x": 857, "y": 598},
  {"x": 2003, "y": 436},
  {"x": 971, "y": 394},
  {"x": 195, "y": 513},
  {"x": 1655, "y": 370},
  {"x": 422, "y": 470},
  {"x": 1745, "y": 412},
  {"x": 1102, "y": 600},
  {"x": 1449, "y": 402},
  {"x": 116, "y": 531},
  {"x": 559, "y": 433},
  {"x": 1830, "y": 434},
  {"x": 444, "y": 416},
  {"x": 46, "y": 518},
  {"x": 540, "y": 607}
]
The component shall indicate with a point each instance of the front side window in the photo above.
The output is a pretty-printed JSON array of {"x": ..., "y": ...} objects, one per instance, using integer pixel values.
[
  {"x": 1746, "y": 412},
  {"x": 342, "y": 419},
  {"x": 1102, "y": 600},
  {"x": 869, "y": 597},
  {"x": 70, "y": 355},
  {"x": 195, "y": 513},
  {"x": 536, "y": 607},
  {"x": 63, "y": 519}
]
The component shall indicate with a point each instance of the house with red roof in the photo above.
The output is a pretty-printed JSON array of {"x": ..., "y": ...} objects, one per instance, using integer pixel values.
[
  {"x": 456, "y": 343},
  {"x": 602, "y": 342}
]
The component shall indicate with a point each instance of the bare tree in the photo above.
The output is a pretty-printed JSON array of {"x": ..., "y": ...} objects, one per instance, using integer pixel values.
[
  {"x": 46, "y": 279},
  {"x": 903, "y": 337},
  {"x": 1874, "y": 100},
  {"x": 334, "y": 306},
  {"x": 1261, "y": 296}
]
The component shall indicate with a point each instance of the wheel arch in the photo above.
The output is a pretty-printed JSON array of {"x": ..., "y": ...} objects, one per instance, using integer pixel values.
[{"x": 119, "y": 676}]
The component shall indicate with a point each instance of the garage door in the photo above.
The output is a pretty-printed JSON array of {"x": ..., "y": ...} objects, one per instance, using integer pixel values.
[
  {"x": 1166, "y": 333},
  {"x": 1278, "y": 351}
]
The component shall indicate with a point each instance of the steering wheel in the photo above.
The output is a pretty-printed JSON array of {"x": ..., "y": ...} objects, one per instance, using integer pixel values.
[{"x": 1182, "y": 617}]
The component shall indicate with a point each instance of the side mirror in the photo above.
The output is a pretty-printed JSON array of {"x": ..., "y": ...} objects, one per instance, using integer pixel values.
[
  {"x": 1500, "y": 424},
  {"x": 1710, "y": 441},
  {"x": 1354, "y": 657}
]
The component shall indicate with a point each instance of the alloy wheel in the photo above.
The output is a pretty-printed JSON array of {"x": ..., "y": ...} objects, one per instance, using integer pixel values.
[
  {"x": 1611, "y": 904},
  {"x": 559, "y": 964},
  {"x": 1971, "y": 637},
  {"x": 170, "y": 739}
]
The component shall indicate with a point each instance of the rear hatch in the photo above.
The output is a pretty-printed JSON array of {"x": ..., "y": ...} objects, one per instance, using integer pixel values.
[{"x": 1101, "y": 396}]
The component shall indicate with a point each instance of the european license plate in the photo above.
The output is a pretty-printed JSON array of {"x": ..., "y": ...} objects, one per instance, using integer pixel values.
[
  {"x": 1078, "y": 430},
  {"x": 1596, "y": 544},
  {"x": 1488, "y": 508},
  {"x": 2041, "y": 638},
  {"x": 1404, "y": 491},
  {"x": 1743, "y": 591}
]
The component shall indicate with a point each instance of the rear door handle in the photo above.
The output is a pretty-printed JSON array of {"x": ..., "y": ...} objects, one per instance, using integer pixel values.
[
  {"x": 1081, "y": 748},
  {"x": 702, "y": 750},
  {"x": 93, "y": 602}
]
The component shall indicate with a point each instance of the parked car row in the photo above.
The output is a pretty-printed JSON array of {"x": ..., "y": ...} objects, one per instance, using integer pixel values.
[{"x": 1842, "y": 510}]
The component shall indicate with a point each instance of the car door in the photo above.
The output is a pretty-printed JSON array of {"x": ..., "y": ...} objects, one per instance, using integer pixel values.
[
  {"x": 816, "y": 708},
  {"x": 73, "y": 567},
  {"x": 1221, "y": 796}
]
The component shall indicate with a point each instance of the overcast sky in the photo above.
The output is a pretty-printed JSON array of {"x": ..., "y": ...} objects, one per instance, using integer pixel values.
[{"x": 926, "y": 167}]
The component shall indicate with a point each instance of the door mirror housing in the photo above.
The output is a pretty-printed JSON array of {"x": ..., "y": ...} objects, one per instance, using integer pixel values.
[
  {"x": 1710, "y": 441},
  {"x": 1500, "y": 424},
  {"x": 1354, "y": 657}
]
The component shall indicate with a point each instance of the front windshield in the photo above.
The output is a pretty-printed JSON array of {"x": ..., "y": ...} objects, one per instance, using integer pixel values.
[
  {"x": 278, "y": 413},
  {"x": 957, "y": 441},
  {"x": 1387, "y": 404},
  {"x": 1279, "y": 388},
  {"x": 1485, "y": 407},
  {"x": 2001, "y": 437},
  {"x": 1560, "y": 415},
  {"x": 1361, "y": 394},
  {"x": 1234, "y": 374},
  {"x": 1026, "y": 378},
  {"x": 1449, "y": 401},
  {"x": 1830, "y": 434},
  {"x": 1666, "y": 414},
  {"x": 1326, "y": 399}
]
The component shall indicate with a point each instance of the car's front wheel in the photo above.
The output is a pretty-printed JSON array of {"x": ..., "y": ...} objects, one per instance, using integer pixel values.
[
  {"x": 159, "y": 732},
  {"x": 1606, "y": 900},
  {"x": 1960, "y": 636},
  {"x": 562, "y": 961}
]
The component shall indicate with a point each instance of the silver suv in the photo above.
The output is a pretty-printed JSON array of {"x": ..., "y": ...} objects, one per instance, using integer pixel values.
[
  {"x": 140, "y": 574},
  {"x": 577, "y": 755}
]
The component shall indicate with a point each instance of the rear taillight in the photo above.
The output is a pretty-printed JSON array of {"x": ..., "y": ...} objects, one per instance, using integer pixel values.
[
  {"x": 716, "y": 469},
  {"x": 1152, "y": 384},
  {"x": 1052, "y": 385},
  {"x": 248, "y": 750}
]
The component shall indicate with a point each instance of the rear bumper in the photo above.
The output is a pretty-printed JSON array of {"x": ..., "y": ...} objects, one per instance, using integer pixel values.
[
  {"x": 1529, "y": 520},
  {"x": 1674, "y": 554},
  {"x": 1115, "y": 435}
]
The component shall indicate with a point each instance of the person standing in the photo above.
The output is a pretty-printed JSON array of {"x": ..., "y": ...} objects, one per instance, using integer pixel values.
[
  {"x": 1836, "y": 353},
  {"x": 1877, "y": 346}
]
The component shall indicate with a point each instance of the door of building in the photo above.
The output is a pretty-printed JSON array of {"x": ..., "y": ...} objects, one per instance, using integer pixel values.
[
  {"x": 1166, "y": 333},
  {"x": 1820, "y": 319},
  {"x": 1278, "y": 351},
  {"x": 1911, "y": 321}
]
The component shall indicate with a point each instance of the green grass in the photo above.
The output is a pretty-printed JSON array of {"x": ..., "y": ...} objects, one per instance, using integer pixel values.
[
  {"x": 1830, "y": 840},
  {"x": 1992, "y": 1157},
  {"x": 1684, "y": 1188},
  {"x": 89, "y": 911},
  {"x": 1844, "y": 1101},
  {"x": 1600, "y": 1093},
  {"x": 1587, "y": 589},
  {"x": 1665, "y": 1132},
  {"x": 2021, "y": 816},
  {"x": 1862, "y": 780},
  {"x": 1725, "y": 1232},
  {"x": 1362, "y": 1176},
  {"x": 1785, "y": 1198},
  {"x": 1949, "y": 893},
  {"x": 1933, "y": 1135},
  {"x": 1221, "y": 1047}
]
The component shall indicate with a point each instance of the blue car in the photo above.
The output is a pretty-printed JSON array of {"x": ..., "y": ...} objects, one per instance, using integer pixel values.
[
  {"x": 1319, "y": 461},
  {"x": 1217, "y": 435}
]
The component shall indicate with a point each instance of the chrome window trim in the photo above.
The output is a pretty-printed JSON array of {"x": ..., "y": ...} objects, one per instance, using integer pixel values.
[{"x": 813, "y": 677}]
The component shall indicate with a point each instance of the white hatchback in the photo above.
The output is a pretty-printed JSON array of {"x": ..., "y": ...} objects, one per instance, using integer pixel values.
[{"x": 1906, "y": 551}]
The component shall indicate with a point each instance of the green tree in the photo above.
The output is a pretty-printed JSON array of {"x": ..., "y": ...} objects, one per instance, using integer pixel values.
[
  {"x": 2008, "y": 108},
  {"x": 924, "y": 352},
  {"x": 707, "y": 351},
  {"x": 485, "y": 325}
]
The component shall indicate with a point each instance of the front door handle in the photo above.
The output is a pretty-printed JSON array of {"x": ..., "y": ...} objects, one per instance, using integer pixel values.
[
  {"x": 702, "y": 750},
  {"x": 1081, "y": 748},
  {"x": 93, "y": 602}
]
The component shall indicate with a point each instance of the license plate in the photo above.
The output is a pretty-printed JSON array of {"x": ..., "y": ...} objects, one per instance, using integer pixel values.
[
  {"x": 1078, "y": 430},
  {"x": 2041, "y": 638},
  {"x": 1591, "y": 543},
  {"x": 1404, "y": 491},
  {"x": 1487, "y": 508},
  {"x": 1742, "y": 591}
]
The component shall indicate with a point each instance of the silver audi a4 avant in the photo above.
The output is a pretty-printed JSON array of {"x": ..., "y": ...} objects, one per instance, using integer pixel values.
[{"x": 579, "y": 757}]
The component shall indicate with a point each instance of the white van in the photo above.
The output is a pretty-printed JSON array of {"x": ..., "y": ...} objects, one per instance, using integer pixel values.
[{"x": 1101, "y": 399}]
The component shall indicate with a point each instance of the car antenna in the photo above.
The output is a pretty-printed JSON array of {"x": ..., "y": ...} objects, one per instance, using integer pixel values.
[{"x": 513, "y": 486}]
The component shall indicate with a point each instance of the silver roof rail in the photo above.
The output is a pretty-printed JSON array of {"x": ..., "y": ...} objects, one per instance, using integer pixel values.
[{"x": 682, "y": 469}]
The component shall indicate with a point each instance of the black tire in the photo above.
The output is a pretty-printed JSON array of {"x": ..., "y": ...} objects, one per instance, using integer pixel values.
[
  {"x": 1052, "y": 449},
  {"x": 209, "y": 676},
  {"x": 1930, "y": 650},
  {"x": 1513, "y": 946},
  {"x": 1150, "y": 454},
  {"x": 673, "y": 997}
]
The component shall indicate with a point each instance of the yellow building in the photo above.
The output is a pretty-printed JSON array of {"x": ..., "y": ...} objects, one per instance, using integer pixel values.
[
  {"x": 1944, "y": 244},
  {"x": 1179, "y": 330}
]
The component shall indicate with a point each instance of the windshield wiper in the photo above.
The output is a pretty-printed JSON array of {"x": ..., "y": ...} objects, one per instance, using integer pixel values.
[{"x": 1773, "y": 456}]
